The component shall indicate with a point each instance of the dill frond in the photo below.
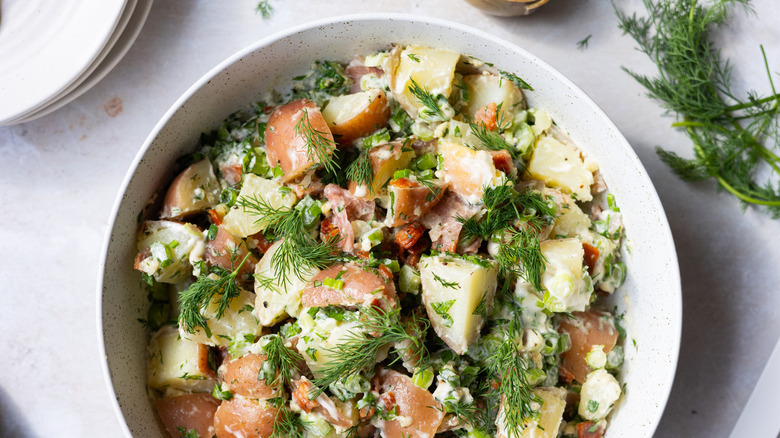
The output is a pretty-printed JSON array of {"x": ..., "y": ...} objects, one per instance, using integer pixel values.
[
  {"x": 733, "y": 139},
  {"x": 195, "y": 299},
  {"x": 519, "y": 82},
  {"x": 490, "y": 139},
  {"x": 359, "y": 350},
  {"x": 265, "y": 9},
  {"x": 583, "y": 43},
  {"x": 319, "y": 148},
  {"x": 362, "y": 171},
  {"x": 509, "y": 368},
  {"x": 425, "y": 97},
  {"x": 287, "y": 423},
  {"x": 299, "y": 252},
  {"x": 281, "y": 359}
]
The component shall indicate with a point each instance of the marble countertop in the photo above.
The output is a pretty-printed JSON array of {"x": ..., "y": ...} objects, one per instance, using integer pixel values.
[{"x": 59, "y": 176}]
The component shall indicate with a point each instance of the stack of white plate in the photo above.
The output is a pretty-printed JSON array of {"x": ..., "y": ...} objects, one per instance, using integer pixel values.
[{"x": 52, "y": 51}]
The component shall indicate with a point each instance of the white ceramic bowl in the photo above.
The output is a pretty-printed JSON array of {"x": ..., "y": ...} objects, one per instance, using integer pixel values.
[{"x": 651, "y": 296}]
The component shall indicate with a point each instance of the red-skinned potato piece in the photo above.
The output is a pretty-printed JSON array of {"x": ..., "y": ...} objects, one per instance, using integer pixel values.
[
  {"x": 417, "y": 404},
  {"x": 189, "y": 411},
  {"x": 227, "y": 252},
  {"x": 287, "y": 148},
  {"x": 385, "y": 160},
  {"x": 244, "y": 417},
  {"x": 585, "y": 330},
  {"x": 410, "y": 201},
  {"x": 194, "y": 190},
  {"x": 241, "y": 377},
  {"x": 362, "y": 286},
  {"x": 588, "y": 429},
  {"x": 356, "y": 115}
]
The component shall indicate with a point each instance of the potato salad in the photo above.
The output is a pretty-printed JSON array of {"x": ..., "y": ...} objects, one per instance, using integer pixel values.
[{"x": 397, "y": 247}]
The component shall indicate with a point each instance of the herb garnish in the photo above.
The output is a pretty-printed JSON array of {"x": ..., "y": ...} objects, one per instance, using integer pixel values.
[
  {"x": 284, "y": 361},
  {"x": 445, "y": 283},
  {"x": 490, "y": 139},
  {"x": 443, "y": 309},
  {"x": 299, "y": 252},
  {"x": 519, "y": 82},
  {"x": 733, "y": 139},
  {"x": 265, "y": 9},
  {"x": 425, "y": 97},
  {"x": 196, "y": 298},
  {"x": 362, "y": 171},
  {"x": 359, "y": 349},
  {"x": 583, "y": 43},
  {"x": 287, "y": 423},
  {"x": 318, "y": 145}
]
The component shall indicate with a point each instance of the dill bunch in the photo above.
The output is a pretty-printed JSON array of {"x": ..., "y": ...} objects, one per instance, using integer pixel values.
[{"x": 733, "y": 137}]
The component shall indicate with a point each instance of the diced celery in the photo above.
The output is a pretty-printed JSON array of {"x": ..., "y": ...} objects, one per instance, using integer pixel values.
[
  {"x": 403, "y": 173},
  {"x": 424, "y": 162}
]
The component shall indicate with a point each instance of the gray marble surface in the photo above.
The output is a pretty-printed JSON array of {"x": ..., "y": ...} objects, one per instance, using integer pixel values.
[{"x": 59, "y": 176}]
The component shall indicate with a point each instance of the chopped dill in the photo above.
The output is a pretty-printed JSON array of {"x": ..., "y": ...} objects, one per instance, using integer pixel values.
[
  {"x": 583, "y": 43},
  {"x": 425, "y": 97},
  {"x": 361, "y": 171},
  {"x": 319, "y": 147},
  {"x": 265, "y": 9},
  {"x": 519, "y": 82},
  {"x": 284, "y": 361}
]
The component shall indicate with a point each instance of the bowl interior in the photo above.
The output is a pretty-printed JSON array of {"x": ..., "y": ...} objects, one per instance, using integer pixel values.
[{"x": 650, "y": 298}]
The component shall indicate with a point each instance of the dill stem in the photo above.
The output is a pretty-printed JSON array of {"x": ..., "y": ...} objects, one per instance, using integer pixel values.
[
  {"x": 746, "y": 105},
  {"x": 742, "y": 196}
]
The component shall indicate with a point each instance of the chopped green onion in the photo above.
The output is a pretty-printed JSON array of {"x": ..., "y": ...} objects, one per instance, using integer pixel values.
[
  {"x": 333, "y": 283},
  {"x": 403, "y": 173},
  {"x": 424, "y": 162},
  {"x": 409, "y": 281},
  {"x": 423, "y": 378},
  {"x": 392, "y": 264},
  {"x": 278, "y": 172}
]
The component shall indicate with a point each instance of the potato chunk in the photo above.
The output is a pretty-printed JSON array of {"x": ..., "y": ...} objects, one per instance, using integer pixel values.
[
  {"x": 356, "y": 115},
  {"x": 285, "y": 145},
  {"x": 175, "y": 362},
  {"x": 430, "y": 68},
  {"x": 419, "y": 415},
  {"x": 188, "y": 411},
  {"x": 243, "y": 222},
  {"x": 562, "y": 280},
  {"x": 385, "y": 160},
  {"x": 454, "y": 291},
  {"x": 560, "y": 165},
  {"x": 245, "y": 417},
  {"x": 487, "y": 89},
  {"x": 468, "y": 171},
  {"x": 551, "y": 415},
  {"x": 275, "y": 301},
  {"x": 193, "y": 190},
  {"x": 409, "y": 200},
  {"x": 599, "y": 393},
  {"x": 238, "y": 320},
  {"x": 167, "y": 250}
]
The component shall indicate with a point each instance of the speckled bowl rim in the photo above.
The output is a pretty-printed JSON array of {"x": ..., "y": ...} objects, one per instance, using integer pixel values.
[{"x": 675, "y": 318}]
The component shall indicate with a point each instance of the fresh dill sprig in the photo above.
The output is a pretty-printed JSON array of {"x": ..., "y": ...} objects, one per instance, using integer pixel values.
[
  {"x": 518, "y": 81},
  {"x": 284, "y": 361},
  {"x": 287, "y": 423},
  {"x": 445, "y": 283},
  {"x": 583, "y": 43},
  {"x": 517, "y": 219},
  {"x": 195, "y": 299},
  {"x": 509, "y": 367},
  {"x": 490, "y": 139},
  {"x": 733, "y": 139},
  {"x": 428, "y": 100},
  {"x": 378, "y": 327},
  {"x": 520, "y": 256},
  {"x": 361, "y": 171},
  {"x": 299, "y": 252},
  {"x": 318, "y": 145},
  {"x": 265, "y": 9}
]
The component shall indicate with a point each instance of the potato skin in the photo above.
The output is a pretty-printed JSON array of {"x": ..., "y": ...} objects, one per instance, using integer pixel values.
[
  {"x": 243, "y": 417},
  {"x": 412, "y": 401},
  {"x": 374, "y": 116},
  {"x": 362, "y": 286},
  {"x": 412, "y": 201},
  {"x": 285, "y": 147},
  {"x": 190, "y": 411},
  {"x": 586, "y": 330},
  {"x": 241, "y": 376}
]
